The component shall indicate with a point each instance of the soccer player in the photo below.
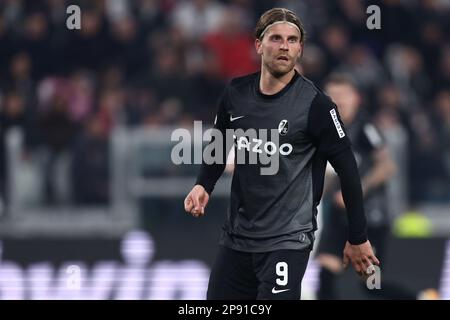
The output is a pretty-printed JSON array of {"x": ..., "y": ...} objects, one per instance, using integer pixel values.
[
  {"x": 375, "y": 168},
  {"x": 269, "y": 230}
]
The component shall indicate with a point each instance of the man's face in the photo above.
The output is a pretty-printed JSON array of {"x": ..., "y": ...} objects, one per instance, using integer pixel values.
[
  {"x": 346, "y": 98},
  {"x": 279, "y": 48}
]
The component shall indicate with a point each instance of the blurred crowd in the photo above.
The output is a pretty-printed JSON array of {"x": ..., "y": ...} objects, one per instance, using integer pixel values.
[{"x": 165, "y": 62}]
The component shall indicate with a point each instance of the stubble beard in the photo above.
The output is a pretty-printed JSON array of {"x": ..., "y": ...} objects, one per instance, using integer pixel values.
[{"x": 278, "y": 71}]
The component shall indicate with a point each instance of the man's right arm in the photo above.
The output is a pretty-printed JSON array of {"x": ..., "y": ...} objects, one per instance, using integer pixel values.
[{"x": 210, "y": 173}]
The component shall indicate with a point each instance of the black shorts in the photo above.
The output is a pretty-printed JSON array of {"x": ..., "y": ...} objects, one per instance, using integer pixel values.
[
  {"x": 238, "y": 275},
  {"x": 334, "y": 234}
]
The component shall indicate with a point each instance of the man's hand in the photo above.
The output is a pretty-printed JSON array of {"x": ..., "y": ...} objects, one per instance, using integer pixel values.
[
  {"x": 361, "y": 257},
  {"x": 196, "y": 201}
]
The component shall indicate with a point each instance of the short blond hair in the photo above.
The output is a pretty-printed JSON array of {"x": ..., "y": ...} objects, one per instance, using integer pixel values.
[{"x": 276, "y": 15}]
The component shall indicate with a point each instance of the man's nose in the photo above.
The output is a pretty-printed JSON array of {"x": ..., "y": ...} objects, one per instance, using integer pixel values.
[{"x": 284, "y": 45}]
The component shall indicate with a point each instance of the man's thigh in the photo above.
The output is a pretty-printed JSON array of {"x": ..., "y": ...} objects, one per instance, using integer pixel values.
[
  {"x": 232, "y": 276},
  {"x": 280, "y": 273}
]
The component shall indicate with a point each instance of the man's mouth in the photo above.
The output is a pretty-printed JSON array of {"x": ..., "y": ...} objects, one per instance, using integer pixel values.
[{"x": 283, "y": 58}]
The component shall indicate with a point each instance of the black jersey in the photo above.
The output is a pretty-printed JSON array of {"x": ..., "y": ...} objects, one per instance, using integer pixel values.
[
  {"x": 366, "y": 139},
  {"x": 271, "y": 212}
]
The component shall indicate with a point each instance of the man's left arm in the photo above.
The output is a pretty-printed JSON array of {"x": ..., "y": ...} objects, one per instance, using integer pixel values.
[
  {"x": 327, "y": 129},
  {"x": 358, "y": 250}
]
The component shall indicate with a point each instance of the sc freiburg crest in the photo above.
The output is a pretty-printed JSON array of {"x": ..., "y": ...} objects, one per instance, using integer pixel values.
[{"x": 283, "y": 127}]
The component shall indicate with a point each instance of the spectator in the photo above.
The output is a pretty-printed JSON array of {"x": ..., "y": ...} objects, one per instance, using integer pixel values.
[
  {"x": 90, "y": 169},
  {"x": 197, "y": 17},
  {"x": 232, "y": 47},
  {"x": 58, "y": 131}
]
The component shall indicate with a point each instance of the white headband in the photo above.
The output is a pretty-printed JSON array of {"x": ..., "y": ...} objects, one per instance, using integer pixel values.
[{"x": 279, "y": 22}]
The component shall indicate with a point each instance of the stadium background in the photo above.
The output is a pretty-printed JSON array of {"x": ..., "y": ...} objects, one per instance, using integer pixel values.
[{"x": 91, "y": 205}]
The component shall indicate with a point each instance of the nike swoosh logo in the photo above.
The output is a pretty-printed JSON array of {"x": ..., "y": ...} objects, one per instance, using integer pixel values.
[
  {"x": 235, "y": 118},
  {"x": 275, "y": 291}
]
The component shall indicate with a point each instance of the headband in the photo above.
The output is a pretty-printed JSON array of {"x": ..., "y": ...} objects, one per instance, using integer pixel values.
[{"x": 279, "y": 22}]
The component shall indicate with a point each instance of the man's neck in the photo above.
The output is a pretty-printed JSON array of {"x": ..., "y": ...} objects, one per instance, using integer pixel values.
[{"x": 268, "y": 84}]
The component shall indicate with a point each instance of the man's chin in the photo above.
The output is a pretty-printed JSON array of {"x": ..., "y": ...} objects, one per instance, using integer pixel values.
[{"x": 280, "y": 71}]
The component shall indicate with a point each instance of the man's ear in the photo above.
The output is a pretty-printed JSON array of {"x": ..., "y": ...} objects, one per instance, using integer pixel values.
[
  {"x": 258, "y": 46},
  {"x": 300, "y": 53}
]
